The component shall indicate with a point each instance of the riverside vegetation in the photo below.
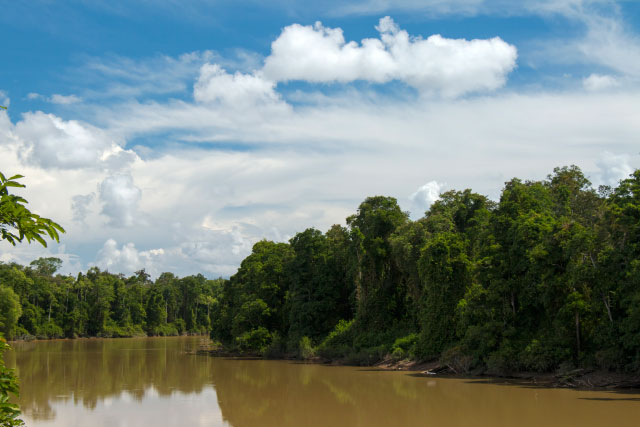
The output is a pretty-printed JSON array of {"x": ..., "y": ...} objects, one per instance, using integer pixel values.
[{"x": 548, "y": 277}]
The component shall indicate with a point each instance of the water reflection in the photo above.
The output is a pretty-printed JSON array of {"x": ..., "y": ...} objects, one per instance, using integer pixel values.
[
  {"x": 154, "y": 382},
  {"x": 86, "y": 372}
]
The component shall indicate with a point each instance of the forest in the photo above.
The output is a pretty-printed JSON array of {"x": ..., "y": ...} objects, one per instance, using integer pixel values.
[
  {"x": 36, "y": 304},
  {"x": 546, "y": 277}
]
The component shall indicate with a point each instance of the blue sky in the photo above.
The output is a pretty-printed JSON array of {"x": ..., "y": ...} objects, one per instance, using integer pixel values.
[{"x": 173, "y": 135}]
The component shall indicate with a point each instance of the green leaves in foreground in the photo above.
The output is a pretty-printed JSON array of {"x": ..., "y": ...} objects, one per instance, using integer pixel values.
[
  {"x": 17, "y": 222},
  {"x": 9, "y": 412}
]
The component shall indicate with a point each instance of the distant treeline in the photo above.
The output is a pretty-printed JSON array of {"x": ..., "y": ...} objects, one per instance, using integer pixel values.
[
  {"x": 36, "y": 304},
  {"x": 547, "y": 277}
]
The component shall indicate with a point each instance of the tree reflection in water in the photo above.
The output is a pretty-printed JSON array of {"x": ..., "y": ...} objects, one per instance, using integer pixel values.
[{"x": 155, "y": 377}]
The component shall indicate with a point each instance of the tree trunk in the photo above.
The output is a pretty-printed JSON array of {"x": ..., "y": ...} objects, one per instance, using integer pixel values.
[
  {"x": 513, "y": 304},
  {"x": 605, "y": 300},
  {"x": 578, "y": 332}
]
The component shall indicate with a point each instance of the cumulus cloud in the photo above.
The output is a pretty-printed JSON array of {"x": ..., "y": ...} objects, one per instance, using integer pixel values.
[
  {"x": 50, "y": 142},
  {"x": 239, "y": 90},
  {"x": 439, "y": 65},
  {"x": 423, "y": 197},
  {"x": 614, "y": 168},
  {"x": 597, "y": 82},
  {"x": 214, "y": 254},
  {"x": 120, "y": 198},
  {"x": 126, "y": 259}
]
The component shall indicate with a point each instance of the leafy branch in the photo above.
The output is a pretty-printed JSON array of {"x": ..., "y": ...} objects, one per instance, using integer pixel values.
[{"x": 17, "y": 222}]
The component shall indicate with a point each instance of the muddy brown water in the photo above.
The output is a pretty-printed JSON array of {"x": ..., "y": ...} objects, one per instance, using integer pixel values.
[{"x": 155, "y": 382}]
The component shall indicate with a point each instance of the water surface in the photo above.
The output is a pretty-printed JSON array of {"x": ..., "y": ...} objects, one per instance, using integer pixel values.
[{"x": 154, "y": 381}]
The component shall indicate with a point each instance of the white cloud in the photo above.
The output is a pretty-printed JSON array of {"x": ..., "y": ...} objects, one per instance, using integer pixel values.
[
  {"x": 596, "y": 82},
  {"x": 613, "y": 168},
  {"x": 314, "y": 165},
  {"x": 50, "y": 142},
  {"x": 126, "y": 259},
  {"x": 608, "y": 38},
  {"x": 64, "y": 99},
  {"x": 439, "y": 65},
  {"x": 215, "y": 255},
  {"x": 423, "y": 197},
  {"x": 238, "y": 91},
  {"x": 120, "y": 198},
  {"x": 33, "y": 95}
]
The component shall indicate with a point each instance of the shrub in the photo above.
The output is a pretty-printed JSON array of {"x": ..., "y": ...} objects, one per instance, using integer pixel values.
[
  {"x": 305, "y": 349},
  {"x": 50, "y": 330},
  {"x": 398, "y": 353},
  {"x": 339, "y": 341},
  {"x": 542, "y": 358},
  {"x": 404, "y": 347},
  {"x": 255, "y": 340},
  {"x": 112, "y": 330},
  {"x": 167, "y": 330}
]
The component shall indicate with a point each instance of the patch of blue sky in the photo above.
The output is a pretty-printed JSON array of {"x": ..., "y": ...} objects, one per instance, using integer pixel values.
[
  {"x": 155, "y": 145},
  {"x": 630, "y": 10}
]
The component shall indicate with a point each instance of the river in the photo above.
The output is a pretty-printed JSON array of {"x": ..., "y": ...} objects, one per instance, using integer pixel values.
[{"x": 156, "y": 382}]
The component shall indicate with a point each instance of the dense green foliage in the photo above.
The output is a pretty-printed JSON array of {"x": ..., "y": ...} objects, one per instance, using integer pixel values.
[
  {"x": 41, "y": 304},
  {"x": 9, "y": 412},
  {"x": 17, "y": 223},
  {"x": 547, "y": 277}
]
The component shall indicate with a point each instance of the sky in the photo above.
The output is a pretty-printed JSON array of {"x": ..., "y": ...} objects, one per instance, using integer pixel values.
[{"x": 172, "y": 136}]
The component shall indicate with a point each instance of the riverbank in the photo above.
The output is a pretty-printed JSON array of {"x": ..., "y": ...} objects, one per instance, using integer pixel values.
[
  {"x": 32, "y": 338},
  {"x": 574, "y": 378}
]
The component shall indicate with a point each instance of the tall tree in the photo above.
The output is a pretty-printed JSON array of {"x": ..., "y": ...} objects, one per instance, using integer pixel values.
[{"x": 379, "y": 300}]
